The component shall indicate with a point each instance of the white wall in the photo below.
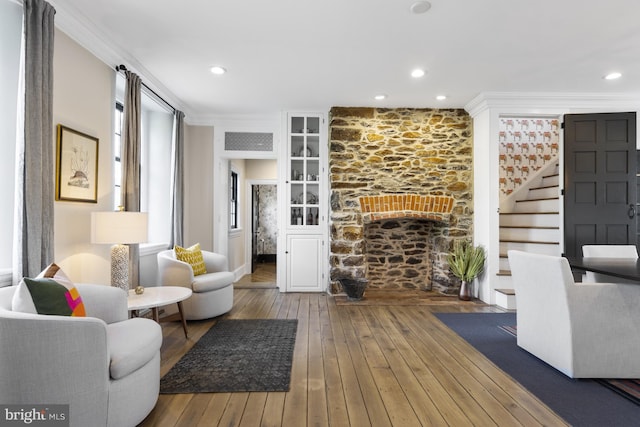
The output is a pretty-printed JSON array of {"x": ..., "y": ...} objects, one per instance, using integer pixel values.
[
  {"x": 83, "y": 99},
  {"x": 261, "y": 169},
  {"x": 236, "y": 254}
]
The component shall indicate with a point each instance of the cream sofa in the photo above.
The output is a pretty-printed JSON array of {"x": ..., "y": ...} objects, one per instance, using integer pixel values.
[
  {"x": 105, "y": 366},
  {"x": 585, "y": 330},
  {"x": 212, "y": 292}
]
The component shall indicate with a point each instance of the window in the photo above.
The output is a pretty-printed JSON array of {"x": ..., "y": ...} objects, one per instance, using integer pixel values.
[
  {"x": 156, "y": 135},
  {"x": 10, "y": 37},
  {"x": 117, "y": 148},
  {"x": 233, "y": 209}
]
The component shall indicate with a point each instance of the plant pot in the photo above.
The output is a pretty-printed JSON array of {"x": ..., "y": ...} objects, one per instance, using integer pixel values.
[
  {"x": 465, "y": 291},
  {"x": 354, "y": 288}
]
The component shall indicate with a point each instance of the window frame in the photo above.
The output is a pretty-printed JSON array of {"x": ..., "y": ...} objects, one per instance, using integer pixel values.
[
  {"x": 117, "y": 157},
  {"x": 233, "y": 200}
]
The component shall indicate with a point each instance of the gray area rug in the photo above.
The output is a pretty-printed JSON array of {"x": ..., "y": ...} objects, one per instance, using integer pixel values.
[{"x": 236, "y": 355}]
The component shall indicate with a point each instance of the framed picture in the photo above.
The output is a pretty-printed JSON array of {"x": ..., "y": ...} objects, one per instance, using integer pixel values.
[{"x": 76, "y": 166}]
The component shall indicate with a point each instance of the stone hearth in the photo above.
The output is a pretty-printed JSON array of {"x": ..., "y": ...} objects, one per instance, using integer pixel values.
[{"x": 401, "y": 194}]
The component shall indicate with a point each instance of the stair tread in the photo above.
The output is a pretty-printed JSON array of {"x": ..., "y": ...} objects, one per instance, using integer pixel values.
[
  {"x": 538, "y": 200},
  {"x": 506, "y": 291},
  {"x": 536, "y": 227},
  {"x": 530, "y": 213},
  {"x": 544, "y": 187},
  {"x": 504, "y": 273},
  {"x": 529, "y": 241}
]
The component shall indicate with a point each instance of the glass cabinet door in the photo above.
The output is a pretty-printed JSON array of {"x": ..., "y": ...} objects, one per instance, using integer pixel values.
[{"x": 304, "y": 170}]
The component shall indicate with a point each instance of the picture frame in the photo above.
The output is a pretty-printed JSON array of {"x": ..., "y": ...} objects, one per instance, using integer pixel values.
[{"x": 76, "y": 166}]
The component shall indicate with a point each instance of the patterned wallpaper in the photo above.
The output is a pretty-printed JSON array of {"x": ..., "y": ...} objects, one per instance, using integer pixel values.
[
  {"x": 267, "y": 220},
  {"x": 526, "y": 145}
]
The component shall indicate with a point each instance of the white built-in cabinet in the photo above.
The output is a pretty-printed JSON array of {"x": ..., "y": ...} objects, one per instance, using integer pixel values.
[{"x": 306, "y": 203}]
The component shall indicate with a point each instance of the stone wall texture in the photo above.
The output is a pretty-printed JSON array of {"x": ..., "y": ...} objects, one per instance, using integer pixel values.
[{"x": 375, "y": 152}]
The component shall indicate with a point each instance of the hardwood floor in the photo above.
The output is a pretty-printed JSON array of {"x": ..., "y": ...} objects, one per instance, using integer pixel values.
[
  {"x": 263, "y": 278},
  {"x": 359, "y": 364}
]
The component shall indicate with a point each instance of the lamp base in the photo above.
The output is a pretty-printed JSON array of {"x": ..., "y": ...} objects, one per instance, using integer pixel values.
[{"x": 120, "y": 267}]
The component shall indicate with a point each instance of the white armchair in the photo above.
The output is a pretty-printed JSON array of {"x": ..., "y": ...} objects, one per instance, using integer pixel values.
[
  {"x": 585, "y": 330},
  {"x": 105, "y": 366},
  {"x": 212, "y": 292}
]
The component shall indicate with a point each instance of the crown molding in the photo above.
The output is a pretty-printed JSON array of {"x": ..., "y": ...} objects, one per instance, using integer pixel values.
[
  {"x": 552, "y": 100},
  {"x": 89, "y": 36}
]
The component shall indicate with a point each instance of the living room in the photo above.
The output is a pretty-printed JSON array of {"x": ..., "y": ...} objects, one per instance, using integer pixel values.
[{"x": 84, "y": 94}]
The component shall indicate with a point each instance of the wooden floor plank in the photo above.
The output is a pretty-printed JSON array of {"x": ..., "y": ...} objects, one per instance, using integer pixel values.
[
  {"x": 234, "y": 409},
  {"x": 405, "y": 367},
  {"x": 295, "y": 403},
  {"x": 528, "y": 409},
  {"x": 385, "y": 362},
  {"x": 372, "y": 400},
  {"x": 214, "y": 410},
  {"x": 395, "y": 401},
  {"x": 354, "y": 400},
  {"x": 252, "y": 416},
  {"x": 317, "y": 413},
  {"x": 336, "y": 404}
]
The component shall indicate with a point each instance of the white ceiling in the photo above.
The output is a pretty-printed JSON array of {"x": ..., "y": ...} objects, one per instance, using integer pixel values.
[{"x": 312, "y": 55}]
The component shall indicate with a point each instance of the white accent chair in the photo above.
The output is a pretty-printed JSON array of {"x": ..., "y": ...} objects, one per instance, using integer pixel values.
[
  {"x": 105, "y": 366},
  {"x": 585, "y": 330},
  {"x": 212, "y": 292},
  {"x": 607, "y": 251}
]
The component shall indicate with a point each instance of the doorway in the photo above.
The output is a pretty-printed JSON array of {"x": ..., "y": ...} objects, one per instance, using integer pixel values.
[{"x": 263, "y": 242}]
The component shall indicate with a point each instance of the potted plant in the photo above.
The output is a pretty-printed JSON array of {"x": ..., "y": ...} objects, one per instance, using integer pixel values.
[{"x": 466, "y": 262}]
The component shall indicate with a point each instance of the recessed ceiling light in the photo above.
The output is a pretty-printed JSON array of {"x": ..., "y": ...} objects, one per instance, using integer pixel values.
[
  {"x": 441, "y": 97},
  {"x": 218, "y": 70},
  {"x": 380, "y": 97},
  {"x": 417, "y": 73},
  {"x": 420, "y": 7},
  {"x": 613, "y": 76}
]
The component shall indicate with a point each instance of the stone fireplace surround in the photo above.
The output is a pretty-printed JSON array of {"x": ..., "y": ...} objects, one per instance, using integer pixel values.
[{"x": 401, "y": 194}]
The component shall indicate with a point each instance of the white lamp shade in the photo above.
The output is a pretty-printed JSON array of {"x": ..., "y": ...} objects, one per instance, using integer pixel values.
[{"x": 119, "y": 227}]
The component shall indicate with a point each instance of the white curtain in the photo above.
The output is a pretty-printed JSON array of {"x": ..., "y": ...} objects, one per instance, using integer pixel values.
[
  {"x": 177, "y": 181},
  {"x": 33, "y": 227},
  {"x": 131, "y": 162}
]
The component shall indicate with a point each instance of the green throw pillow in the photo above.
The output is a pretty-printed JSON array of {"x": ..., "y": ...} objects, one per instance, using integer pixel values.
[{"x": 50, "y": 293}]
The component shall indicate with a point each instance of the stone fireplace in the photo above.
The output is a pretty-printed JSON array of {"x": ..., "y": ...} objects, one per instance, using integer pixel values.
[{"x": 401, "y": 194}]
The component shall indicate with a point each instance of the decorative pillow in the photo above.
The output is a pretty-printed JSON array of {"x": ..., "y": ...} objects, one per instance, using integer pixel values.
[
  {"x": 193, "y": 257},
  {"x": 51, "y": 292}
]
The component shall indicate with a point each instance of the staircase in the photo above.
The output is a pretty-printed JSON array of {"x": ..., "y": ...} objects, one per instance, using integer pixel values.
[{"x": 533, "y": 225}]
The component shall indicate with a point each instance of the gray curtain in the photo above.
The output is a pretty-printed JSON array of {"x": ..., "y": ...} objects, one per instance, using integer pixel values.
[
  {"x": 33, "y": 232},
  {"x": 131, "y": 162},
  {"x": 177, "y": 181}
]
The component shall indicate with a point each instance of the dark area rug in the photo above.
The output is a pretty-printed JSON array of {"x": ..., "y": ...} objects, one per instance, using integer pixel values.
[
  {"x": 236, "y": 355},
  {"x": 582, "y": 402},
  {"x": 629, "y": 388}
]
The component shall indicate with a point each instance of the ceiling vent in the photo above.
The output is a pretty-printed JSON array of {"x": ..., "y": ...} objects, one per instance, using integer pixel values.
[{"x": 248, "y": 141}]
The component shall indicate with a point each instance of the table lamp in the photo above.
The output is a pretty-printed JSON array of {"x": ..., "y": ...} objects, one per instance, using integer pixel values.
[{"x": 119, "y": 228}]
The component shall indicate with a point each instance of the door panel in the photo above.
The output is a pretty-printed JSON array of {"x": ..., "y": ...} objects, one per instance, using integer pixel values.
[
  {"x": 600, "y": 180},
  {"x": 304, "y": 271}
]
